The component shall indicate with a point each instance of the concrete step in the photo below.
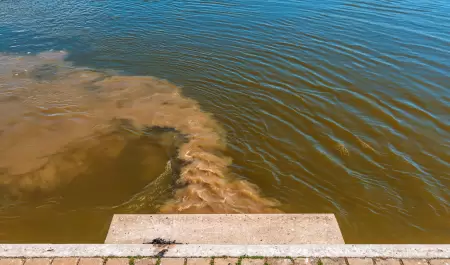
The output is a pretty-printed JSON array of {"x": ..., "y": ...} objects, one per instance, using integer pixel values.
[{"x": 237, "y": 229}]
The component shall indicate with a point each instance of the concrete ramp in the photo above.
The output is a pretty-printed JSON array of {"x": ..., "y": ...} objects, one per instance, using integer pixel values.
[{"x": 237, "y": 229}]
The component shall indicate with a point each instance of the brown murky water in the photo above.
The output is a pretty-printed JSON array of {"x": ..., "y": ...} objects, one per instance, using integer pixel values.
[
  {"x": 57, "y": 120},
  {"x": 62, "y": 126},
  {"x": 296, "y": 106}
]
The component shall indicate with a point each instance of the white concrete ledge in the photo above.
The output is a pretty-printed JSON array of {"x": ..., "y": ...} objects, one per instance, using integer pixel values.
[
  {"x": 136, "y": 250},
  {"x": 220, "y": 229}
]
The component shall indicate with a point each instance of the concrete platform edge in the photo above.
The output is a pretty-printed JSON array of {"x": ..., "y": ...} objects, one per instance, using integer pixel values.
[
  {"x": 183, "y": 251},
  {"x": 226, "y": 229}
]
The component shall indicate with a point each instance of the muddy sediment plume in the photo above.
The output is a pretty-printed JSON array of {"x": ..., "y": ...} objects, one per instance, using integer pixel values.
[{"x": 55, "y": 116}]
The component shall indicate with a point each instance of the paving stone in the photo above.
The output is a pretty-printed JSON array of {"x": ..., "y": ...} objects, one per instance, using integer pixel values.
[
  {"x": 358, "y": 261},
  {"x": 117, "y": 261},
  {"x": 415, "y": 262},
  {"x": 65, "y": 261},
  {"x": 335, "y": 261},
  {"x": 440, "y": 262},
  {"x": 225, "y": 261},
  {"x": 275, "y": 261},
  {"x": 38, "y": 261},
  {"x": 145, "y": 261},
  {"x": 172, "y": 261},
  {"x": 194, "y": 261},
  {"x": 306, "y": 261},
  {"x": 11, "y": 261},
  {"x": 245, "y": 261},
  {"x": 90, "y": 261},
  {"x": 387, "y": 262}
]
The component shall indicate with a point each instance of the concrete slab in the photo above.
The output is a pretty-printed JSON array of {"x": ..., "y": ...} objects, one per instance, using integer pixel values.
[
  {"x": 172, "y": 261},
  {"x": 306, "y": 261},
  {"x": 65, "y": 261},
  {"x": 117, "y": 261},
  {"x": 11, "y": 261},
  {"x": 387, "y": 262},
  {"x": 440, "y": 262},
  {"x": 145, "y": 261},
  {"x": 275, "y": 261},
  {"x": 361, "y": 261},
  {"x": 91, "y": 261},
  {"x": 181, "y": 251},
  {"x": 247, "y": 261},
  {"x": 225, "y": 261},
  {"x": 198, "y": 261},
  {"x": 38, "y": 261},
  {"x": 335, "y": 261},
  {"x": 414, "y": 262},
  {"x": 240, "y": 229}
]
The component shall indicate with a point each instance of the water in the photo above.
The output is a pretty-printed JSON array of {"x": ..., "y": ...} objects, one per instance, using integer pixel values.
[{"x": 332, "y": 106}]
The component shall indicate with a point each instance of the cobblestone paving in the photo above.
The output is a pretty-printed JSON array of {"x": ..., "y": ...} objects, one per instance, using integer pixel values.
[{"x": 221, "y": 261}]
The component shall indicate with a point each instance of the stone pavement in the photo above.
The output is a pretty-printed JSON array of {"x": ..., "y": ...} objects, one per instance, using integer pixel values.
[{"x": 221, "y": 261}]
